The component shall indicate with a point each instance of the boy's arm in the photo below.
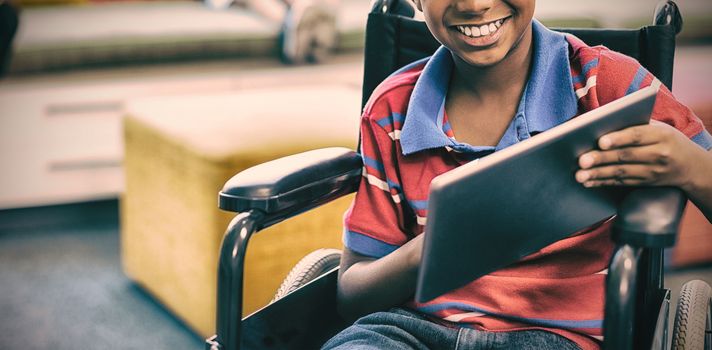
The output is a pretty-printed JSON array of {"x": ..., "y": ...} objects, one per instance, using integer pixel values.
[
  {"x": 368, "y": 285},
  {"x": 380, "y": 260},
  {"x": 651, "y": 155}
]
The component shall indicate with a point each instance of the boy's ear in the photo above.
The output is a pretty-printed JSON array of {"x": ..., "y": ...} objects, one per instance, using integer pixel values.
[{"x": 418, "y": 5}]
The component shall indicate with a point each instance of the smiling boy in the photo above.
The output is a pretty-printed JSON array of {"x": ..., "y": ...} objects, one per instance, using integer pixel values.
[{"x": 499, "y": 78}]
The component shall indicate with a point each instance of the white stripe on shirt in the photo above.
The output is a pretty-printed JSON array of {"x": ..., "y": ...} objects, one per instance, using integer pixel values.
[
  {"x": 460, "y": 317},
  {"x": 421, "y": 220},
  {"x": 375, "y": 181},
  {"x": 591, "y": 82}
]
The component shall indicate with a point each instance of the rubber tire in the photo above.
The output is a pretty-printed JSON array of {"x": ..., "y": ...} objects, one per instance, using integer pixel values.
[
  {"x": 309, "y": 268},
  {"x": 691, "y": 317}
]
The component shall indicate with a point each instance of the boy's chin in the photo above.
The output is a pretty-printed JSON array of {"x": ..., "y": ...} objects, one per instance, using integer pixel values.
[{"x": 482, "y": 60}]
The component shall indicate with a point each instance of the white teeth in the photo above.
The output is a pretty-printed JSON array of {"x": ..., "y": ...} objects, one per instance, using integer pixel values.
[
  {"x": 484, "y": 30},
  {"x": 476, "y": 31}
]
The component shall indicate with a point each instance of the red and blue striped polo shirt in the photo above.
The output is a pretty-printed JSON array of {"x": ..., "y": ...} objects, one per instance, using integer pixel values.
[{"x": 407, "y": 141}]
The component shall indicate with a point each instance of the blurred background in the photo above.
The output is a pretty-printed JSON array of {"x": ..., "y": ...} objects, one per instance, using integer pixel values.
[{"x": 121, "y": 120}]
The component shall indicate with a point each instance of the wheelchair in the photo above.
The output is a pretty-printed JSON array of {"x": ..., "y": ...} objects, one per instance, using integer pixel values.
[{"x": 304, "y": 316}]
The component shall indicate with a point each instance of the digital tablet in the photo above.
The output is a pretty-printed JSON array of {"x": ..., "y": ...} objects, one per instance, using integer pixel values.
[{"x": 490, "y": 213}]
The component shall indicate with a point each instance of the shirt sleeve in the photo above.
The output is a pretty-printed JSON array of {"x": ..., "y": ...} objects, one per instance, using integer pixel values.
[
  {"x": 620, "y": 75},
  {"x": 374, "y": 225}
]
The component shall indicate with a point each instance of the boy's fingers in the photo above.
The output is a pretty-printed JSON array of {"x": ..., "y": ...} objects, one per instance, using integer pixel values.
[
  {"x": 626, "y": 182},
  {"x": 628, "y": 174},
  {"x": 640, "y": 155},
  {"x": 634, "y": 136}
]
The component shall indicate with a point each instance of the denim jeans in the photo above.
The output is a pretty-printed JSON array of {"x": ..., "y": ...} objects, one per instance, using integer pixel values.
[{"x": 405, "y": 329}]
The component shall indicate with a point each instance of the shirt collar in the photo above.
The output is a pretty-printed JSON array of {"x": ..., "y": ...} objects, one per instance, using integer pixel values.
[{"x": 548, "y": 99}]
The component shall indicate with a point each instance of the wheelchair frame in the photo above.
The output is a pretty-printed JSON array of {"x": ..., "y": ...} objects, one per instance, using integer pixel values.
[{"x": 637, "y": 304}]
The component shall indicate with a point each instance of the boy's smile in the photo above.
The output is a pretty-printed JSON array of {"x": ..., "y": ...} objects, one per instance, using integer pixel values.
[{"x": 481, "y": 33}]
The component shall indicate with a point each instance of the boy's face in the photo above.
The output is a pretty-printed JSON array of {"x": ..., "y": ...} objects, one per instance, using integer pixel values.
[{"x": 481, "y": 32}]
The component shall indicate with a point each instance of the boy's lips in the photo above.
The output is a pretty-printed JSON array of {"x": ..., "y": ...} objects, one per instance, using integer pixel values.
[{"x": 483, "y": 34}]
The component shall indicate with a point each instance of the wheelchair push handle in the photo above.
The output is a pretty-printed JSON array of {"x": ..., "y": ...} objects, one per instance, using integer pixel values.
[
  {"x": 667, "y": 14},
  {"x": 649, "y": 217}
]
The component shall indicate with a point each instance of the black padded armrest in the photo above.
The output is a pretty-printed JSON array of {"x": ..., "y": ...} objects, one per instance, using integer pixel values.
[
  {"x": 649, "y": 217},
  {"x": 293, "y": 183}
]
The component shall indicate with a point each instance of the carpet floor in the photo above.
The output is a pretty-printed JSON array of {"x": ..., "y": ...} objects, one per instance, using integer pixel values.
[{"x": 61, "y": 286}]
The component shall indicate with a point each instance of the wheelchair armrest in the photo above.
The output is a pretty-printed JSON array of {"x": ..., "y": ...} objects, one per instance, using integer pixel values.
[
  {"x": 649, "y": 217},
  {"x": 294, "y": 183}
]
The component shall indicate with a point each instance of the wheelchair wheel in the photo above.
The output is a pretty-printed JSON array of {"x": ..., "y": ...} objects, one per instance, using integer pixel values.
[
  {"x": 693, "y": 319},
  {"x": 309, "y": 268}
]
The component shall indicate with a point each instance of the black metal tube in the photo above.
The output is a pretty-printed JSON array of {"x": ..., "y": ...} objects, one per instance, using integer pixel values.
[
  {"x": 708, "y": 324},
  {"x": 650, "y": 279},
  {"x": 230, "y": 278},
  {"x": 656, "y": 268},
  {"x": 621, "y": 298}
]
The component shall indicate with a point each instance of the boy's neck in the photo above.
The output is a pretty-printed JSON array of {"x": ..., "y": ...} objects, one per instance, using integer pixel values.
[{"x": 500, "y": 80}]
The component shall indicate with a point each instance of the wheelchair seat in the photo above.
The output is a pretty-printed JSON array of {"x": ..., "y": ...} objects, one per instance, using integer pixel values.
[{"x": 271, "y": 192}]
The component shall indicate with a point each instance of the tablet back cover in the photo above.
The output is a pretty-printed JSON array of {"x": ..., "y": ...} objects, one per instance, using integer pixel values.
[{"x": 488, "y": 214}]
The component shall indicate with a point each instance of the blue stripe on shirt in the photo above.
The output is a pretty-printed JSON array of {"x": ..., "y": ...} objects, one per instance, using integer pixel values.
[
  {"x": 370, "y": 162},
  {"x": 391, "y": 119},
  {"x": 704, "y": 139},
  {"x": 393, "y": 185},
  {"x": 419, "y": 205},
  {"x": 580, "y": 324},
  {"x": 584, "y": 71},
  {"x": 366, "y": 245},
  {"x": 447, "y": 127},
  {"x": 637, "y": 80}
]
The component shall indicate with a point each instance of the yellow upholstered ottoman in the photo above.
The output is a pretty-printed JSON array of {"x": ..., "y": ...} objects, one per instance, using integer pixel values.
[{"x": 179, "y": 153}]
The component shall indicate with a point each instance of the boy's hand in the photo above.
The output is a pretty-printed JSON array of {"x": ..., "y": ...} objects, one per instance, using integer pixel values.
[{"x": 656, "y": 154}]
